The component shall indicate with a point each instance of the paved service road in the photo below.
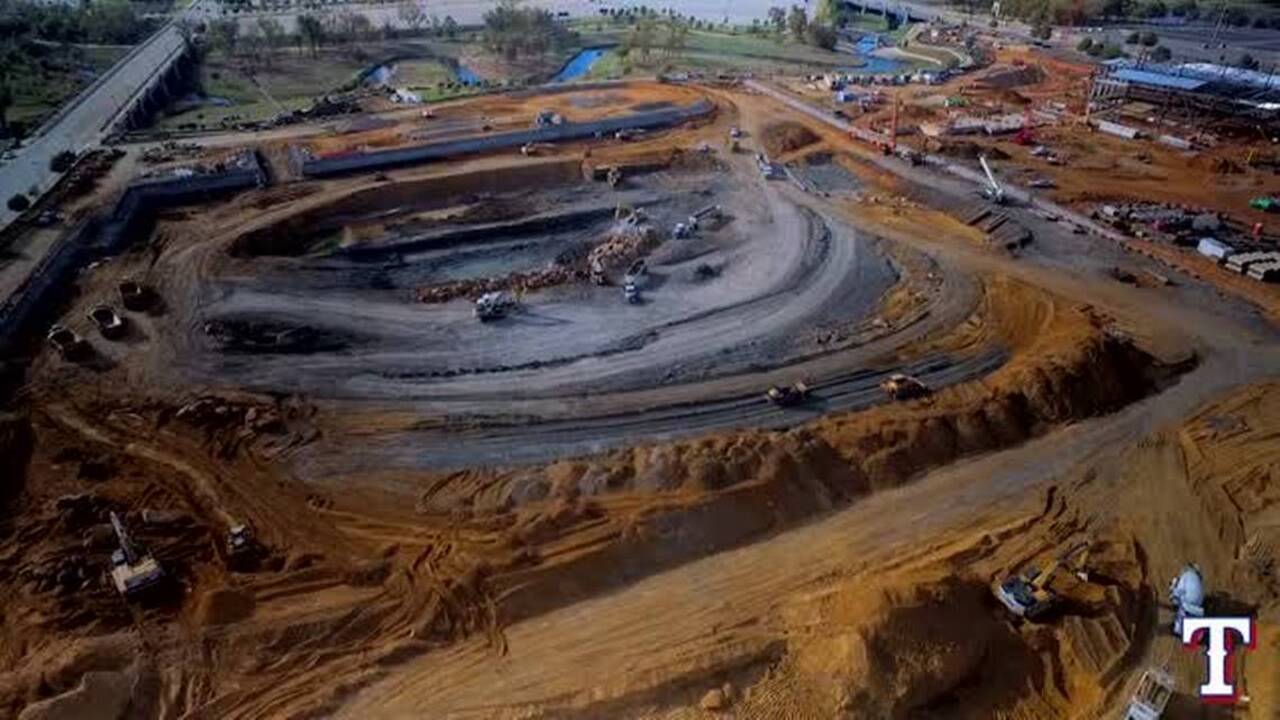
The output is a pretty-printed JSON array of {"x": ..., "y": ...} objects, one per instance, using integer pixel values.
[{"x": 83, "y": 122}]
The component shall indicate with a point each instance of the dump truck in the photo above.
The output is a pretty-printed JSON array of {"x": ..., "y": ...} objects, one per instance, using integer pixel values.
[
  {"x": 787, "y": 396},
  {"x": 1028, "y": 595},
  {"x": 904, "y": 387},
  {"x": 132, "y": 572},
  {"x": 493, "y": 306},
  {"x": 67, "y": 342},
  {"x": 1152, "y": 696}
]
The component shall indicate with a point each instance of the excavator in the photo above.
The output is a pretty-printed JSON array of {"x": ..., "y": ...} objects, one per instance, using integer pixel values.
[
  {"x": 788, "y": 396},
  {"x": 1028, "y": 595},
  {"x": 992, "y": 190}
]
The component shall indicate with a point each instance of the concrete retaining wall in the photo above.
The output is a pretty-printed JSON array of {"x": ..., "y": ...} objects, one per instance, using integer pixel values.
[
  {"x": 50, "y": 283},
  {"x": 400, "y": 157}
]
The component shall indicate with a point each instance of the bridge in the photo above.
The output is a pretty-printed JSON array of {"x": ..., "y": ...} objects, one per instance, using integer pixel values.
[{"x": 132, "y": 87}]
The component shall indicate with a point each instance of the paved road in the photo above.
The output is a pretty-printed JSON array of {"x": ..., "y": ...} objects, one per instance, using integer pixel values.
[{"x": 83, "y": 122}]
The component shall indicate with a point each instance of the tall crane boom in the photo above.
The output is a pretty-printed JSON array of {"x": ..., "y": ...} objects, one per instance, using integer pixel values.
[
  {"x": 126, "y": 545},
  {"x": 993, "y": 189}
]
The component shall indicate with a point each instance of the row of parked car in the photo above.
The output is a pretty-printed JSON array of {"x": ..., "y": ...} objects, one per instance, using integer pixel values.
[{"x": 111, "y": 325}]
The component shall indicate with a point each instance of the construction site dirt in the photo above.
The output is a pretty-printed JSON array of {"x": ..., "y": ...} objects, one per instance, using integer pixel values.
[{"x": 617, "y": 428}]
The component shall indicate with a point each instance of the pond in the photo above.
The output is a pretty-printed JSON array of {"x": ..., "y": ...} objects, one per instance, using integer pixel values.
[
  {"x": 868, "y": 44},
  {"x": 579, "y": 65}
]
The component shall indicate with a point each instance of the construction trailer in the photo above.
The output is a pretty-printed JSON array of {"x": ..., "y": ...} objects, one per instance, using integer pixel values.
[
  {"x": 1265, "y": 272},
  {"x": 1241, "y": 262},
  {"x": 1214, "y": 249}
]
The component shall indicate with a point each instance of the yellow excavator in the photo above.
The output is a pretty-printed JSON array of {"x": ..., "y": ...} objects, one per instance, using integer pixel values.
[{"x": 1028, "y": 595}]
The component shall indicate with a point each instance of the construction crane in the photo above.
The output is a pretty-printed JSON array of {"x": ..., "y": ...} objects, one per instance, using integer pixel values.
[
  {"x": 1028, "y": 595},
  {"x": 131, "y": 571},
  {"x": 992, "y": 191}
]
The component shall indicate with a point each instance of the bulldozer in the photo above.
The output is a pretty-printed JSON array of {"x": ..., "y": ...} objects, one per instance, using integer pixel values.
[
  {"x": 784, "y": 396},
  {"x": 1028, "y": 594},
  {"x": 904, "y": 387}
]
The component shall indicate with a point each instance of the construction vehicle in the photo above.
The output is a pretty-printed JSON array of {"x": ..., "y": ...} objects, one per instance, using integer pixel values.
[
  {"x": 494, "y": 306},
  {"x": 1186, "y": 592},
  {"x": 132, "y": 572},
  {"x": 904, "y": 387},
  {"x": 428, "y": 114},
  {"x": 631, "y": 292},
  {"x": 1149, "y": 700},
  {"x": 681, "y": 231},
  {"x": 710, "y": 212},
  {"x": 635, "y": 273},
  {"x": 628, "y": 134},
  {"x": 135, "y": 296},
  {"x": 992, "y": 190},
  {"x": 532, "y": 148},
  {"x": 109, "y": 323},
  {"x": 735, "y": 132},
  {"x": 1028, "y": 595},
  {"x": 613, "y": 176},
  {"x": 67, "y": 342},
  {"x": 797, "y": 393},
  {"x": 241, "y": 545},
  {"x": 547, "y": 118}
]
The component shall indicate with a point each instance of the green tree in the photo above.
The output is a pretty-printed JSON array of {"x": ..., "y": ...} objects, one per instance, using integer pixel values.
[
  {"x": 1247, "y": 61},
  {"x": 225, "y": 35},
  {"x": 62, "y": 161},
  {"x": 6, "y": 102},
  {"x": 311, "y": 28},
  {"x": 1132, "y": 38},
  {"x": 1084, "y": 44},
  {"x": 19, "y": 203},
  {"x": 778, "y": 20},
  {"x": 1150, "y": 39},
  {"x": 273, "y": 35},
  {"x": 797, "y": 22},
  {"x": 1161, "y": 54},
  {"x": 413, "y": 16}
]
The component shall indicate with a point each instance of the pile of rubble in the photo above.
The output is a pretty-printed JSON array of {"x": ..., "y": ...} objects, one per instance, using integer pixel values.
[
  {"x": 169, "y": 151},
  {"x": 627, "y": 241},
  {"x": 518, "y": 282}
]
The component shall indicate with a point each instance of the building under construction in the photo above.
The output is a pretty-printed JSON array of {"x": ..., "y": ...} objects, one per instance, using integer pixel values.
[{"x": 1201, "y": 94}]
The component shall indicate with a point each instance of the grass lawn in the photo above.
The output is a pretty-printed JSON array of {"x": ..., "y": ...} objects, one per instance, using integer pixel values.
[
  {"x": 291, "y": 81},
  {"x": 45, "y": 82}
]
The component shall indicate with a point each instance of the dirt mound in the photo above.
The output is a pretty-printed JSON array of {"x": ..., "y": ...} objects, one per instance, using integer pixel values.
[
  {"x": 223, "y": 606},
  {"x": 784, "y": 137},
  {"x": 15, "y": 446},
  {"x": 917, "y": 649},
  {"x": 1216, "y": 164},
  {"x": 1004, "y": 77},
  {"x": 964, "y": 149}
]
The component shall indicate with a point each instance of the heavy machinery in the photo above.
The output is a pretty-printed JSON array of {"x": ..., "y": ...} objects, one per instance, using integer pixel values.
[
  {"x": 904, "y": 387},
  {"x": 613, "y": 176},
  {"x": 132, "y": 572},
  {"x": 784, "y": 396},
  {"x": 109, "y": 323},
  {"x": 681, "y": 231},
  {"x": 992, "y": 190},
  {"x": 493, "y": 306},
  {"x": 631, "y": 292},
  {"x": 532, "y": 148},
  {"x": 735, "y": 132},
  {"x": 1028, "y": 595},
  {"x": 242, "y": 548},
  {"x": 1149, "y": 700},
  {"x": 1186, "y": 592},
  {"x": 67, "y": 342}
]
